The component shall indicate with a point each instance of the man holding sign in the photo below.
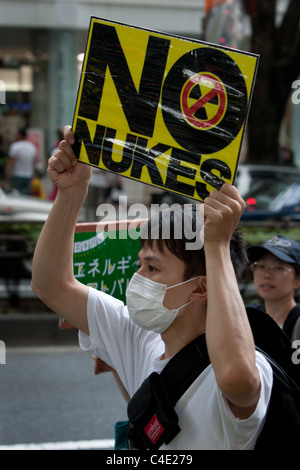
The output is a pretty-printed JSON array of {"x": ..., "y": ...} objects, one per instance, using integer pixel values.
[{"x": 175, "y": 296}]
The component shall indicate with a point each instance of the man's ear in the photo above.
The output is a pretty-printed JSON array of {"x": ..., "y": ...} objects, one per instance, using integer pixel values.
[{"x": 200, "y": 292}]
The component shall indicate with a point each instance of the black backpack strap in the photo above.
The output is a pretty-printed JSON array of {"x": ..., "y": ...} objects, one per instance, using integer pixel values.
[
  {"x": 183, "y": 369},
  {"x": 152, "y": 418}
]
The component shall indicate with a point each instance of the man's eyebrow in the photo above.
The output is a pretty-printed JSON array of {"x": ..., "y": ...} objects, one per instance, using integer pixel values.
[{"x": 150, "y": 258}]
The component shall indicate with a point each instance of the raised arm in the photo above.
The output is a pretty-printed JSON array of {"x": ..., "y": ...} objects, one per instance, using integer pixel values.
[
  {"x": 229, "y": 338},
  {"x": 52, "y": 272}
]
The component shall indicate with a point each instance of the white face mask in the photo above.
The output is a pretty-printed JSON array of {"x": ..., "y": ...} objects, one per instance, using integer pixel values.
[{"x": 145, "y": 303}]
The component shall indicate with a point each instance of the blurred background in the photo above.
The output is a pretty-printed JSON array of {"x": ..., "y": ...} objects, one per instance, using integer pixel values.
[{"x": 42, "y": 45}]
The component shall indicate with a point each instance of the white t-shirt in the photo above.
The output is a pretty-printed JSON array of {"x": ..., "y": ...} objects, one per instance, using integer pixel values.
[
  {"x": 205, "y": 418},
  {"x": 24, "y": 153}
]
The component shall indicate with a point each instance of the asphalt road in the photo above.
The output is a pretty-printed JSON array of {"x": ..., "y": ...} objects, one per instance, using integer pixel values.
[{"x": 51, "y": 395}]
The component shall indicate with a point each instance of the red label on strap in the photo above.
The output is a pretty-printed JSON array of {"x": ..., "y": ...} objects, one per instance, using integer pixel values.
[{"x": 154, "y": 429}]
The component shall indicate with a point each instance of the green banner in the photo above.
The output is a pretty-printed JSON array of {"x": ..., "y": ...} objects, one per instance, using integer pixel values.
[{"x": 107, "y": 260}]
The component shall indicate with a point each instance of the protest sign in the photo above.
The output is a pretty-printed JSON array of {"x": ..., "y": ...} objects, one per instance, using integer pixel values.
[
  {"x": 105, "y": 262},
  {"x": 105, "y": 257},
  {"x": 161, "y": 109}
]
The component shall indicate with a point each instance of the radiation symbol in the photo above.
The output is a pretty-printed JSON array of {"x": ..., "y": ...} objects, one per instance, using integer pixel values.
[{"x": 204, "y": 100}]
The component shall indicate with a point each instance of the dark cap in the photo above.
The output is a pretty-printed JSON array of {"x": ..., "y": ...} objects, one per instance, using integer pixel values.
[{"x": 283, "y": 248}]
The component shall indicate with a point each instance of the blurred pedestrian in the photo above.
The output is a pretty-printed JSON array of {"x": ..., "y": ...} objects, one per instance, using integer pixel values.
[
  {"x": 3, "y": 160},
  {"x": 22, "y": 159},
  {"x": 276, "y": 273}
]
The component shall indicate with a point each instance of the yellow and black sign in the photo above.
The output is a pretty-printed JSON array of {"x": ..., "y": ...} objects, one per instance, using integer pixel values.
[{"x": 160, "y": 109}]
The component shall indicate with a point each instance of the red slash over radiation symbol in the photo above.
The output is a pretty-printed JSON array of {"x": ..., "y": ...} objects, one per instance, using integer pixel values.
[{"x": 216, "y": 95}]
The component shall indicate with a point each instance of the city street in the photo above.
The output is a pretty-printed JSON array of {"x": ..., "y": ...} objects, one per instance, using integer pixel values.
[{"x": 50, "y": 398}]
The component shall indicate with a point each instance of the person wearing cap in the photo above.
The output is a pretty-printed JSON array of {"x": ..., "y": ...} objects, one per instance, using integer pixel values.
[{"x": 276, "y": 273}]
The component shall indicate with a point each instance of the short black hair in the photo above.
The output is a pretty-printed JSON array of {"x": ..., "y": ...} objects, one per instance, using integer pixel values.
[
  {"x": 176, "y": 242},
  {"x": 22, "y": 132}
]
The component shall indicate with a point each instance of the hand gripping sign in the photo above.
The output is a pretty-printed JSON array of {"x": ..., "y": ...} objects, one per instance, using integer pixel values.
[{"x": 160, "y": 109}]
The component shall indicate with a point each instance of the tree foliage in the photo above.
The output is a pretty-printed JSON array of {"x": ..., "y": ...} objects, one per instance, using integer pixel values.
[{"x": 279, "y": 66}]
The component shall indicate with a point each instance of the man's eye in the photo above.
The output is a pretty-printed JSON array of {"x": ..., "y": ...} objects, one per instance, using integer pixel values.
[
  {"x": 278, "y": 268},
  {"x": 151, "y": 268}
]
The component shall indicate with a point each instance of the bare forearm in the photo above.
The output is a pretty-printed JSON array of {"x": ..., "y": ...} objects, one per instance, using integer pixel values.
[
  {"x": 53, "y": 279},
  {"x": 53, "y": 258},
  {"x": 229, "y": 337},
  {"x": 226, "y": 317}
]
